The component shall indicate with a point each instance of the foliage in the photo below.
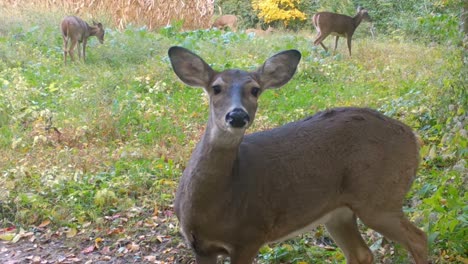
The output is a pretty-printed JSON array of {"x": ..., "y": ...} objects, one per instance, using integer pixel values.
[
  {"x": 278, "y": 10},
  {"x": 241, "y": 8},
  {"x": 82, "y": 142},
  {"x": 120, "y": 14},
  {"x": 429, "y": 20}
]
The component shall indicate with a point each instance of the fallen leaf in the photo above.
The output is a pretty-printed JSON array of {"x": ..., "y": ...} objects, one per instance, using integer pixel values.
[
  {"x": 97, "y": 241},
  {"x": 71, "y": 232},
  {"x": 106, "y": 250},
  {"x": 7, "y": 236},
  {"x": 155, "y": 212},
  {"x": 88, "y": 250},
  {"x": 116, "y": 231},
  {"x": 44, "y": 223},
  {"x": 150, "y": 258},
  {"x": 7, "y": 229},
  {"x": 132, "y": 247}
]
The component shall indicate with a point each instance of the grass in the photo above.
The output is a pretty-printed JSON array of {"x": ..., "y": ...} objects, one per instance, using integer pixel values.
[{"x": 83, "y": 141}]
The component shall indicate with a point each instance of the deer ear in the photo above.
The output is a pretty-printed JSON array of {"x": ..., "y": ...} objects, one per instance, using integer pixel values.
[
  {"x": 279, "y": 69},
  {"x": 190, "y": 68}
]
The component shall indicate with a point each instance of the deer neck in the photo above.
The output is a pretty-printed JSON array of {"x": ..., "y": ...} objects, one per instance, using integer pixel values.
[
  {"x": 357, "y": 19},
  {"x": 210, "y": 168}
]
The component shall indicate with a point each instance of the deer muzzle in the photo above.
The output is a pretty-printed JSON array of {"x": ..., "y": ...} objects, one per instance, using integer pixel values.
[{"x": 237, "y": 118}]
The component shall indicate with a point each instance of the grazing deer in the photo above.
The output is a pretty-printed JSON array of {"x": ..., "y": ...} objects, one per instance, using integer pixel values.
[
  {"x": 239, "y": 191},
  {"x": 78, "y": 31},
  {"x": 338, "y": 25},
  {"x": 226, "y": 21},
  {"x": 259, "y": 32}
]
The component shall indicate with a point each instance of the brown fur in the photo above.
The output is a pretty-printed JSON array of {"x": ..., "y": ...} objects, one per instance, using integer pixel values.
[
  {"x": 259, "y": 32},
  {"x": 239, "y": 191},
  {"x": 225, "y": 21},
  {"x": 77, "y": 31},
  {"x": 337, "y": 25}
]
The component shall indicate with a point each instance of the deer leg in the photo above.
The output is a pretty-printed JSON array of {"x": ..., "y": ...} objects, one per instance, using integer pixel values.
[
  {"x": 79, "y": 51},
  {"x": 336, "y": 42},
  {"x": 211, "y": 259},
  {"x": 244, "y": 255},
  {"x": 396, "y": 227},
  {"x": 65, "y": 45},
  {"x": 84, "y": 50},
  {"x": 349, "y": 44},
  {"x": 319, "y": 40},
  {"x": 71, "y": 50},
  {"x": 344, "y": 231}
]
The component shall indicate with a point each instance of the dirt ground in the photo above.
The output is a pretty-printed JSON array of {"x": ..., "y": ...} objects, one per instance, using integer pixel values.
[{"x": 154, "y": 241}]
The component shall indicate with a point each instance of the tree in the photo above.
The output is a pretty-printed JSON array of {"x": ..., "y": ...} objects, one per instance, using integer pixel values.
[{"x": 278, "y": 10}]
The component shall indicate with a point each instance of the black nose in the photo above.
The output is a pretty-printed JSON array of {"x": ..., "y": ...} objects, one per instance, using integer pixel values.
[{"x": 237, "y": 118}]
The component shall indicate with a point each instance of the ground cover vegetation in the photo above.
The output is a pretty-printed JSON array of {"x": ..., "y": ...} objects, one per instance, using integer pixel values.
[{"x": 91, "y": 154}]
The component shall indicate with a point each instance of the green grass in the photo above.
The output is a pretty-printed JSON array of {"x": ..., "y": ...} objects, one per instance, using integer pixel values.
[{"x": 82, "y": 141}]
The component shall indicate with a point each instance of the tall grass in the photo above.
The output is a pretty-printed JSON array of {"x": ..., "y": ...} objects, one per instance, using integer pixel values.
[
  {"x": 150, "y": 13},
  {"x": 82, "y": 141}
]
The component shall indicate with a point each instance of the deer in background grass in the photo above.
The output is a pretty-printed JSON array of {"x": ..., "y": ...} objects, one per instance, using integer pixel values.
[
  {"x": 77, "y": 31},
  {"x": 259, "y": 32},
  {"x": 225, "y": 21},
  {"x": 338, "y": 25},
  {"x": 239, "y": 192}
]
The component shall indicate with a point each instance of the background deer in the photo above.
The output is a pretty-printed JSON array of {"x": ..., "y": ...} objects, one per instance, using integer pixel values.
[
  {"x": 239, "y": 191},
  {"x": 259, "y": 32},
  {"x": 78, "y": 31},
  {"x": 226, "y": 21},
  {"x": 327, "y": 23}
]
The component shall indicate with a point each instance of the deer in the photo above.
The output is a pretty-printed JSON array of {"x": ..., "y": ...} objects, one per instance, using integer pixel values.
[
  {"x": 259, "y": 32},
  {"x": 327, "y": 23},
  {"x": 239, "y": 192},
  {"x": 77, "y": 31},
  {"x": 225, "y": 21}
]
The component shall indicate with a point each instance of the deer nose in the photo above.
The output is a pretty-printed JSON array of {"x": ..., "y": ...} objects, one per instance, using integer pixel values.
[{"x": 237, "y": 118}]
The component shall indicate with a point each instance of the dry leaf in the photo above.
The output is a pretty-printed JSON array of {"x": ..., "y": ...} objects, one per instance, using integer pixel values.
[
  {"x": 88, "y": 250},
  {"x": 132, "y": 247},
  {"x": 44, "y": 223},
  {"x": 71, "y": 232},
  {"x": 150, "y": 258},
  {"x": 97, "y": 241},
  {"x": 159, "y": 238},
  {"x": 7, "y": 236}
]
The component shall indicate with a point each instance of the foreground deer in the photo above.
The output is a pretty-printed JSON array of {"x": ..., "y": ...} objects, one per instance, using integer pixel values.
[
  {"x": 78, "y": 31},
  {"x": 225, "y": 21},
  {"x": 239, "y": 191},
  {"x": 327, "y": 23},
  {"x": 259, "y": 32}
]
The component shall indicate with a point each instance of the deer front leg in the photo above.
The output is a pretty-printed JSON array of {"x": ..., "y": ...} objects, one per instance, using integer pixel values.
[
  {"x": 72, "y": 48},
  {"x": 65, "y": 45},
  {"x": 336, "y": 42},
  {"x": 349, "y": 44},
  {"x": 245, "y": 254},
  {"x": 84, "y": 50},
  {"x": 203, "y": 259},
  {"x": 319, "y": 40}
]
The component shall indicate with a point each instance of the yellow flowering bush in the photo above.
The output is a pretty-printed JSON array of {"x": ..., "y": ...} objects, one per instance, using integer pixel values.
[{"x": 278, "y": 10}]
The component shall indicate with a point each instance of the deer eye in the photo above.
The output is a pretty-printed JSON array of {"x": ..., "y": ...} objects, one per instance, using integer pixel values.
[
  {"x": 216, "y": 89},
  {"x": 255, "y": 91}
]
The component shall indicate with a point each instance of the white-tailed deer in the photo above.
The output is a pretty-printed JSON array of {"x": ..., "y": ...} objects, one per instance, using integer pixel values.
[
  {"x": 77, "y": 31},
  {"x": 226, "y": 21},
  {"x": 239, "y": 191},
  {"x": 338, "y": 25},
  {"x": 259, "y": 32}
]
